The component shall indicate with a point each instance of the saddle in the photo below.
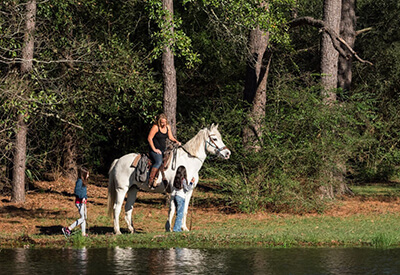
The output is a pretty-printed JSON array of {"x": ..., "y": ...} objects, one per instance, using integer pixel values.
[{"x": 142, "y": 163}]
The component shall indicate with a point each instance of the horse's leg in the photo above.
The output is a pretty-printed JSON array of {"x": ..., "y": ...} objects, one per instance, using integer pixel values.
[
  {"x": 130, "y": 201},
  {"x": 119, "y": 200},
  {"x": 187, "y": 201},
  {"x": 172, "y": 207}
]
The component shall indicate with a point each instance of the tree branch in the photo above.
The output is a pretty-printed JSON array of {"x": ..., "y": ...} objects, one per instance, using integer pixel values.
[
  {"x": 63, "y": 120},
  {"x": 363, "y": 30},
  {"x": 337, "y": 41}
]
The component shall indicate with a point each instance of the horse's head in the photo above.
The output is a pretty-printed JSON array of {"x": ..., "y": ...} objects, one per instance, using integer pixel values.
[{"x": 214, "y": 143}]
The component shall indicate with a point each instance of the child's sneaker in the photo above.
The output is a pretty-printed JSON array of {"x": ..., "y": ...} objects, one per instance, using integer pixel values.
[{"x": 66, "y": 232}]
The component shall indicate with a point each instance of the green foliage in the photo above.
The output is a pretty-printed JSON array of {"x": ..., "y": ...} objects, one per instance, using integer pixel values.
[
  {"x": 238, "y": 17},
  {"x": 303, "y": 139},
  {"x": 177, "y": 40}
]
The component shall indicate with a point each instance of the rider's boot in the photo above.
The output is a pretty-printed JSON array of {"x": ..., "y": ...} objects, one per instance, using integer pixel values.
[{"x": 153, "y": 177}]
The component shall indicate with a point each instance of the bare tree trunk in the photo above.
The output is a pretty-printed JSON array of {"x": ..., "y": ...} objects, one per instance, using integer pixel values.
[
  {"x": 256, "y": 88},
  {"x": 329, "y": 71},
  {"x": 329, "y": 56},
  {"x": 18, "y": 181},
  {"x": 347, "y": 32},
  {"x": 169, "y": 72},
  {"x": 18, "y": 193}
]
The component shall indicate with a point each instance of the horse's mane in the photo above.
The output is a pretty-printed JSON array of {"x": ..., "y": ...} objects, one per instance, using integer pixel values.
[{"x": 193, "y": 145}]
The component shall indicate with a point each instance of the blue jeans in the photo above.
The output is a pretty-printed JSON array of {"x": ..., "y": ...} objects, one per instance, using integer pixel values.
[
  {"x": 180, "y": 206},
  {"x": 156, "y": 158}
]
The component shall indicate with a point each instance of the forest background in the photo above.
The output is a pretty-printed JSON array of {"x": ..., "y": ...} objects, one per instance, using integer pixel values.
[{"x": 96, "y": 81}]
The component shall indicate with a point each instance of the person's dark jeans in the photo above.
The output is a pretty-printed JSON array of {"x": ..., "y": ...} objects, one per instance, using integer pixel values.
[{"x": 156, "y": 159}]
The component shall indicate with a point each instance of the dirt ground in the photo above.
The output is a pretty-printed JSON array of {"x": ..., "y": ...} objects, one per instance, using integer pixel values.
[{"x": 50, "y": 205}]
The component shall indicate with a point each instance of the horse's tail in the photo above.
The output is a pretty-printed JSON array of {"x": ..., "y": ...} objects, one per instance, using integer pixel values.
[{"x": 111, "y": 190}]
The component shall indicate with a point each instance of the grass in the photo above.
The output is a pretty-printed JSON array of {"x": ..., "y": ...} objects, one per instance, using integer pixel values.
[
  {"x": 374, "y": 190},
  {"x": 379, "y": 231}
]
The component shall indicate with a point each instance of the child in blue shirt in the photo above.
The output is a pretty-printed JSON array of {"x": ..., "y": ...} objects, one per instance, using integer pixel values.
[{"x": 80, "y": 192}]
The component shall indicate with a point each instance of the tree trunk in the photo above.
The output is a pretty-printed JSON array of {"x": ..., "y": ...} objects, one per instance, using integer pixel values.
[
  {"x": 347, "y": 32},
  {"x": 329, "y": 56},
  {"x": 329, "y": 71},
  {"x": 18, "y": 193},
  {"x": 169, "y": 72},
  {"x": 18, "y": 181},
  {"x": 255, "y": 88}
]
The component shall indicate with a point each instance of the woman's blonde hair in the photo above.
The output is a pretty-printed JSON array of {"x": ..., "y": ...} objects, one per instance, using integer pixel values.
[{"x": 160, "y": 117}]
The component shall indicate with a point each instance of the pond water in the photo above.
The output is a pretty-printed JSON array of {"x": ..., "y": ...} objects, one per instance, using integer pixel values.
[{"x": 200, "y": 261}]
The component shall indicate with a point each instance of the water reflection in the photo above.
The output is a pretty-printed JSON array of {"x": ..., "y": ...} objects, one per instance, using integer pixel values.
[
  {"x": 200, "y": 261},
  {"x": 157, "y": 261}
]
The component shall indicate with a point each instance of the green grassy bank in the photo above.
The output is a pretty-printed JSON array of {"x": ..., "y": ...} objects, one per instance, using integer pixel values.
[{"x": 374, "y": 230}]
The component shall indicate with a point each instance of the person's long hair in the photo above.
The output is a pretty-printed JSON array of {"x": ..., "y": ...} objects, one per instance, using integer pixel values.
[
  {"x": 83, "y": 175},
  {"x": 180, "y": 175},
  {"x": 160, "y": 117}
]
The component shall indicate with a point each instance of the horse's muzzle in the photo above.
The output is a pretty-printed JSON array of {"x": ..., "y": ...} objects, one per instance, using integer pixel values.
[{"x": 225, "y": 153}]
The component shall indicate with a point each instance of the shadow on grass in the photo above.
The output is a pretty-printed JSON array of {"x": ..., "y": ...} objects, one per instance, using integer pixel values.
[
  {"x": 14, "y": 211},
  {"x": 98, "y": 230}
]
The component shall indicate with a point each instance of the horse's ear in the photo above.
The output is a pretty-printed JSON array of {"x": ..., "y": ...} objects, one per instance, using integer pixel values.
[{"x": 213, "y": 126}]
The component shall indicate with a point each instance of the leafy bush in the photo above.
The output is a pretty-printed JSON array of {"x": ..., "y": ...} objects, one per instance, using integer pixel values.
[{"x": 307, "y": 146}]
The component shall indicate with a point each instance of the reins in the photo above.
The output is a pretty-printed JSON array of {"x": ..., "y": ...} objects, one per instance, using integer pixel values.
[
  {"x": 174, "y": 153},
  {"x": 210, "y": 142}
]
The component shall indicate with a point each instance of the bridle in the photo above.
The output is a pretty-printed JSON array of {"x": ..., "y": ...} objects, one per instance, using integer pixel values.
[{"x": 212, "y": 143}]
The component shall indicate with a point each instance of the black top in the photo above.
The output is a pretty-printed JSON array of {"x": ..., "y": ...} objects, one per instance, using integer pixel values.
[{"x": 159, "y": 140}]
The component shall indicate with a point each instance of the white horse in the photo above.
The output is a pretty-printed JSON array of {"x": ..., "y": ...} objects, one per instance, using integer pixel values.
[{"x": 192, "y": 155}]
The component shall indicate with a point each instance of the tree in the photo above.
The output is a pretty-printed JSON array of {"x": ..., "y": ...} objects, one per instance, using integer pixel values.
[
  {"x": 170, "y": 42},
  {"x": 168, "y": 67},
  {"x": 259, "y": 20},
  {"x": 347, "y": 32},
  {"x": 18, "y": 182},
  {"x": 255, "y": 91},
  {"x": 329, "y": 56}
]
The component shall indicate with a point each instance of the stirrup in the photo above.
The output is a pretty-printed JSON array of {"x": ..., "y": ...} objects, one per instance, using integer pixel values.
[{"x": 153, "y": 185}]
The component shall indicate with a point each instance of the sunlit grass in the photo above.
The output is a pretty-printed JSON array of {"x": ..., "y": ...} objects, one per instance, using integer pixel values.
[
  {"x": 389, "y": 190},
  {"x": 366, "y": 230},
  {"x": 380, "y": 231}
]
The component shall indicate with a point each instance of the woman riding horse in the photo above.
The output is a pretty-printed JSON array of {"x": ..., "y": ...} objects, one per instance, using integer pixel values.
[
  {"x": 192, "y": 155},
  {"x": 157, "y": 141}
]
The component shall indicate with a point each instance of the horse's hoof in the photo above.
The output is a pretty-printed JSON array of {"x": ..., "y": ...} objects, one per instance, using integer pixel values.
[
  {"x": 167, "y": 227},
  {"x": 118, "y": 233}
]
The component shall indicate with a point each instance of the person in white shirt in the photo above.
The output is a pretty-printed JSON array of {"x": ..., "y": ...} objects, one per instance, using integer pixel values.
[{"x": 181, "y": 187}]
